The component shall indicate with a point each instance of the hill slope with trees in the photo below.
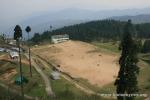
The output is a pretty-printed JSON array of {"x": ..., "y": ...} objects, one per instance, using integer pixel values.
[{"x": 96, "y": 30}]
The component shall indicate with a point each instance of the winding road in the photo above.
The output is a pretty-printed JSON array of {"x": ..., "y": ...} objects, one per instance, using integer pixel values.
[{"x": 44, "y": 77}]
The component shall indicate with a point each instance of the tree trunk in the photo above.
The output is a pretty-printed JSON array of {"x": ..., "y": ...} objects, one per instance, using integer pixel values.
[
  {"x": 30, "y": 58},
  {"x": 20, "y": 64}
]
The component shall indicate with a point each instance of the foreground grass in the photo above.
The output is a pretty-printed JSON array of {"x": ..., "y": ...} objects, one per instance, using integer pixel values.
[
  {"x": 6, "y": 95},
  {"x": 144, "y": 75},
  {"x": 65, "y": 90}
]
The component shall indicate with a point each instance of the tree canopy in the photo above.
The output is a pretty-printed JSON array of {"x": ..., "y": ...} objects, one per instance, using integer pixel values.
[
  {"x": 17, "y": 32},
  {"x": 126, "y": 81},
  {"x": 28, "y": 29}
]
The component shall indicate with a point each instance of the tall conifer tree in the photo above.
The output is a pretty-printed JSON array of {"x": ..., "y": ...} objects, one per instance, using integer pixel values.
[
  {"x": 126, "y": 81},
  {"x": 17, "y": 37}
]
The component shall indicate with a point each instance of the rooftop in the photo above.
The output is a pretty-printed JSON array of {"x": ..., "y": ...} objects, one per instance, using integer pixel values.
[
  {"x": 14, "y": 54},
  {"x": 61, "y": 36}
]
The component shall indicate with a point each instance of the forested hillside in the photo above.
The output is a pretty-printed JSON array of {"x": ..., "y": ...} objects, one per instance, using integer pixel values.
[
  {"x": 96, "y": 30},
  {"x": 137, "y": 19}
]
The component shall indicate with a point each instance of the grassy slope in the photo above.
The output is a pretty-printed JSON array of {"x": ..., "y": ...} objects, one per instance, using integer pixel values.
[
  {"x": 6, "y": 95},
  {"x": 108, "y": 47},
  {"x": 38, "y": 88},
  {"x": 144, "y": 64}
]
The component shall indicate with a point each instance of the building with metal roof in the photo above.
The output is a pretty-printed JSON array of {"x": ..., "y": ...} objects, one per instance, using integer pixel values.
[
  {"x": 13, "y": 55},
  {"x": 59, "y": 38}
]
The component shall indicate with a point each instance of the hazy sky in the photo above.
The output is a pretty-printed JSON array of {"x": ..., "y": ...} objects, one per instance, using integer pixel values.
[{"x": 13, "y": 11}]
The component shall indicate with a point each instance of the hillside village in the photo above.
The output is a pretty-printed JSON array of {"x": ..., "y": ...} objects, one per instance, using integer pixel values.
[
  {"x": 67, "y": 68},
  {"x": 75, "y": 50}
]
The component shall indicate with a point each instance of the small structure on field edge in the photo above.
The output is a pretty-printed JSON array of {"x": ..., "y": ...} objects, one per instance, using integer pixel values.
[
  {"x": 55, "y": 75},
  {"x": 59, "y": 38},
  {"x": 2, "y": 49},
  {"x": 18, "y": 80},
  {"x": 14, "y": 55},
  {"x": 10, "y": 41}
]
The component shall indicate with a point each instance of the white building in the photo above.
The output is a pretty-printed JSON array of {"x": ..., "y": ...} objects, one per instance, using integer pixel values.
[
  {"x": 11, "y": 41},
  {"x": 16, "y": 49},
  {"x": 55, "y": 75},
  {"x": 2, "y": 49},
  {"x": 14, "y": 55},
  {"x": 59, "y": 38}
]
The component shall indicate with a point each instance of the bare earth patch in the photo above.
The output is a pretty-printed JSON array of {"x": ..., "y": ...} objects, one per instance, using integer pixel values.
[
  {"x": 6, "y": 57},
  {"x": 8, "y": 74},
  {"x": 80, "y": 61}
]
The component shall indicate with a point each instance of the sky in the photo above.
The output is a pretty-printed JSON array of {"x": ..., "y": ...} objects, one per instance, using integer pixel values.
[{"x": 14, "y": 11}]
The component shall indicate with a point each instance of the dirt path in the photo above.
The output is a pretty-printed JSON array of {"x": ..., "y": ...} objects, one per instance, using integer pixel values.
[
  {"x": 44, "y": 77},
  {"x": 148, "y": 98},
  {"x": 86, "y": 90},
  {"x": 1, "y": 56}
]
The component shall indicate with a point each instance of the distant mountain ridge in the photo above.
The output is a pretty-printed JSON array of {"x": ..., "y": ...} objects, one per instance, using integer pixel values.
[
  {"x": 70, "y": 16},
  {"x": 138, "y": 19}
]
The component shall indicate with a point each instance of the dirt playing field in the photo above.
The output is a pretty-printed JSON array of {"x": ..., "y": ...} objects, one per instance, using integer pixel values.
[{"x": 81, "y": 60}]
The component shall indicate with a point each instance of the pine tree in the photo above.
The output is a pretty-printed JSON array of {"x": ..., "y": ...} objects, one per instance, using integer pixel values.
[
  {"x": 17, "y": 37},
  {"x": 126, "y": 81}
]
